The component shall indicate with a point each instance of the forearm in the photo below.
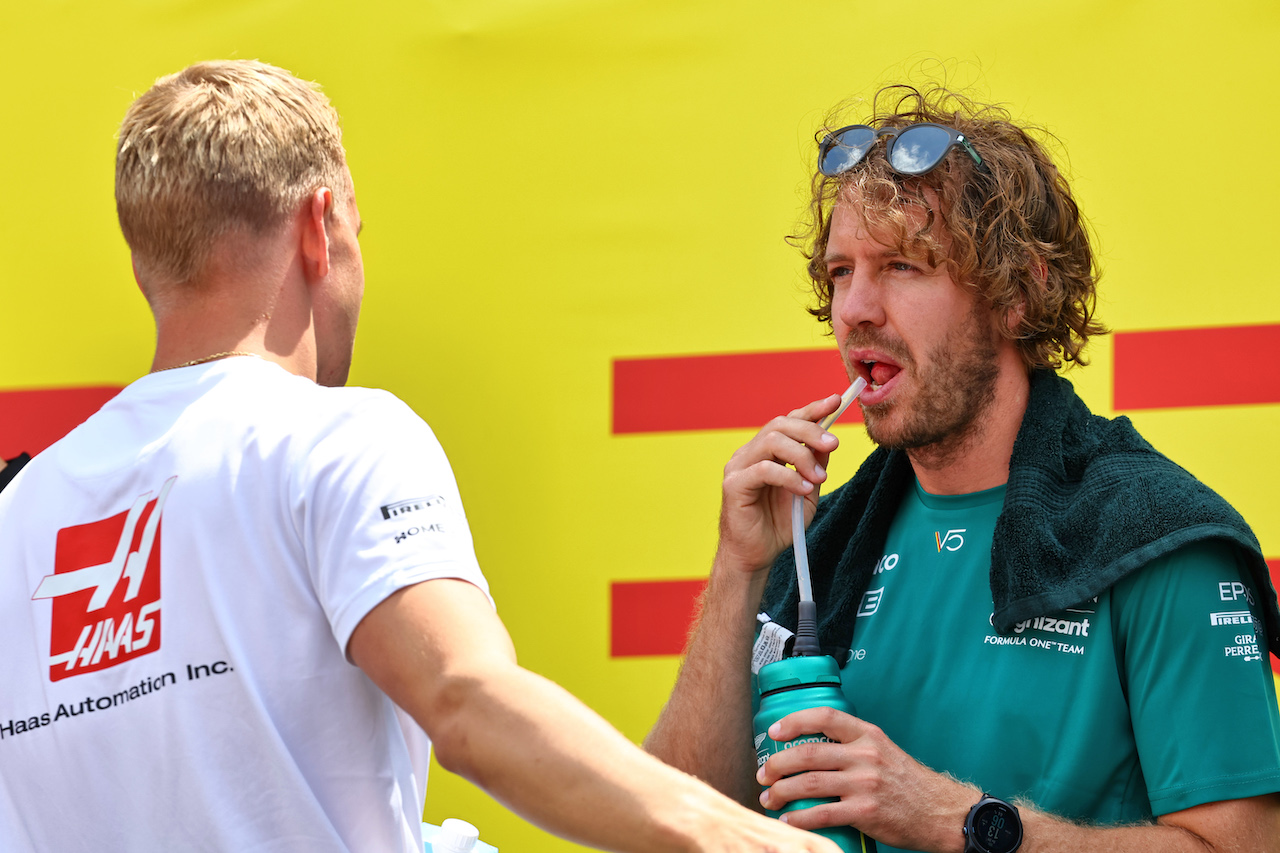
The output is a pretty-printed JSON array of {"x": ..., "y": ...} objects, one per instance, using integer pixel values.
[
  {"x": 1045, "y": 833},
  {"x": 1249, "y": 825},
  {"x": 541, "y": 752},
  {"x": 705, "y": 727},
  {"x": 439, "y": 651},
  {"x": 935, "y": 821}
]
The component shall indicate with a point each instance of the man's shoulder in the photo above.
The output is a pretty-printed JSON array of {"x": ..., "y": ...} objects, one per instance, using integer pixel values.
[
  {"x": 233, "y": 407},
  {"x": 263, "y": 397},
  {"x": 1089, "y": 500},
  {"x": 1061, "y": 441}
]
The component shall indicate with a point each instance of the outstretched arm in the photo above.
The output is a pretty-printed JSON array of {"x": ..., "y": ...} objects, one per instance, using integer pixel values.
[
  {"x": 439, "y": 651},
  {"x": 705, "y": 728}
]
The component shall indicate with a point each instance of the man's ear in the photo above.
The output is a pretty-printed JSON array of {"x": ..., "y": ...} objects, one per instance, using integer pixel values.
[
  {"x": 1014, "y": 316},
  {"x": 315, "y": 236},
  {"x": 144, "y": 283},
  {"x": 137, "y": 277},
  {"x": 1039, "y": 271}
]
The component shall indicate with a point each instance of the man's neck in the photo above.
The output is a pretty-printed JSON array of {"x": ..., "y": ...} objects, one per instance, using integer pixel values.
[
  {"x": 978, "y": 459},
  {"x": 261, "y": 308}
]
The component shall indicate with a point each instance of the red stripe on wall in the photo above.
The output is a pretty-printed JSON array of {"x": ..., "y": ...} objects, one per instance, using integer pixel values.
[
  {"x": 652, "y": 617},
  {"x": 1227, "y": 366},
  {"x": 31, "y": 420},
  {"x": 1211, "y": 366},
  {"x": 733, "y": 391}
]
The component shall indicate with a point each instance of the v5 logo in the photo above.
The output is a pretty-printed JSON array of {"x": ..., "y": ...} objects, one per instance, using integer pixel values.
[{"x": 953, "y": 541}]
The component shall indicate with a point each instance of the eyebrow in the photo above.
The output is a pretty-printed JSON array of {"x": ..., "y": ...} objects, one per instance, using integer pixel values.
[{"x": 840, "y": 257}]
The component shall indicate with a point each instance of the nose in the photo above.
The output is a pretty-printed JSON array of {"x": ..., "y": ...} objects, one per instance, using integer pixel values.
[{"x": 857, "y": 300}]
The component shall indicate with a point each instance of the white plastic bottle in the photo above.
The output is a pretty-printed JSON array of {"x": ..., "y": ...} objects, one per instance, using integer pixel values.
[{"x": 454, "y": 836}]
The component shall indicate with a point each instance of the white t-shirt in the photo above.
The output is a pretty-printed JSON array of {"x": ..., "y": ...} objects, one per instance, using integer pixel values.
[{"x": 179, "y": 578}]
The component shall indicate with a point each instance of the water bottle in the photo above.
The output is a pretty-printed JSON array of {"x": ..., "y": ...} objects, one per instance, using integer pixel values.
[
  {"x": 454, "y": 836},
  {"x": 793, "y": 684}
]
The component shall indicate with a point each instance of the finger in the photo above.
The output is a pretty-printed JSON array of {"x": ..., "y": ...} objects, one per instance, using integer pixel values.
[
  {"x": 766, "y": 473},
  {"x": 798, "y": 430},
  {"x": 803, "y": 445},
  {"x": 806, "y": 758},
  {"x": 819, "y": 816},
  {"x": 837, "y": 725},
  {"x": 818, "y": 409},
  {"x": 814, "y": 785},
  {"x": 772, "y": 836}
]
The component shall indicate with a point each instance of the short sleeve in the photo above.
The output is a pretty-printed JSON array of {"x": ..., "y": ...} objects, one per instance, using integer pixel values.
[
  {"x": 1196, "y": 672},
  {"x": 377, "y": 508}
]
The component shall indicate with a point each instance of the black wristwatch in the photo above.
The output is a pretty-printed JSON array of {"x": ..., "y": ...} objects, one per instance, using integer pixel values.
[{"x": 993, "y": 826}]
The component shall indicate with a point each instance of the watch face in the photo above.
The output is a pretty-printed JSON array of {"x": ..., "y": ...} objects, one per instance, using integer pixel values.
[{"x": 996, "y": 828}]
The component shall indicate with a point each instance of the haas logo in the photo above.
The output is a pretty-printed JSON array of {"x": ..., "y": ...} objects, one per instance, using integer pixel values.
[{"x": 106, "y": 589}]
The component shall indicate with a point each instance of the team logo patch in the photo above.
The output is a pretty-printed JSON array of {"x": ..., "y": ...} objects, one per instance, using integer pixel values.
[
  {"x": 105, "y": 589},
  {"x": 953, "y": 541},
  {"x": 870, "y": 602}
]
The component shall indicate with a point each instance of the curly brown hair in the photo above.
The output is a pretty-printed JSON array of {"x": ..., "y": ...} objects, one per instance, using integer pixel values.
[{"x": 1015, "y": 232}]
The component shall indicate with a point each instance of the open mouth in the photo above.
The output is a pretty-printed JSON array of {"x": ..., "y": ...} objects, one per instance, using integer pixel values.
[{"x": 878, "y": 373}]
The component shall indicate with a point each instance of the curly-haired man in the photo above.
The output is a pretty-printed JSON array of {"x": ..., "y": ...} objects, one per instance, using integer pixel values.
[{"x": 1026, "y": 600}]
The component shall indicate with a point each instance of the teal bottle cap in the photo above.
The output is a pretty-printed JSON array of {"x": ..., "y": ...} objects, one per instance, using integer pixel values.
[{"x": 793, "y": 672}]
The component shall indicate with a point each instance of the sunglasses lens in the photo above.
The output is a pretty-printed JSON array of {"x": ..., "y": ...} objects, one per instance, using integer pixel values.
[
  {"x": 844, "y": 150},
  {"x": 918, "y": 149}
]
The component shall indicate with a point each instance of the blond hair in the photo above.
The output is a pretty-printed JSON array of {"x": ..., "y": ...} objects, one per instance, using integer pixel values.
[
  {"x": 1016, "y": 234},
  {"x": 218, "y": 146}
]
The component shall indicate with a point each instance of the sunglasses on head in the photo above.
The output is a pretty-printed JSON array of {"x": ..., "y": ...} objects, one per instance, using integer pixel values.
[{"x": 911, "y": 150}]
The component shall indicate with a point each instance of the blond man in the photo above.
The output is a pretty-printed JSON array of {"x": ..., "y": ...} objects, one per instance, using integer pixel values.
[{"x": 240, "y": 603}]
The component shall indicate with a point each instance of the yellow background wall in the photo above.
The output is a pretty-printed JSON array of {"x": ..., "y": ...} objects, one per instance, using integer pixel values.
[{"x": 549, "y": 185}]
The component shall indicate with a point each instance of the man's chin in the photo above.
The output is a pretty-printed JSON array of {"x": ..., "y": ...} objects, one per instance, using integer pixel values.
[
  {"x": 882, "y": 433},
  {"x": 878, "y": 421},
  {"x": 886, "y": 433}
]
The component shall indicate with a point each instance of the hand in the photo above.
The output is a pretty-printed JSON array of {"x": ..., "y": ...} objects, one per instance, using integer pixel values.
[
  {"x": 749, "y": 832},
  {"x": 880, "y": 789},
  {"x": 755, "y": 512}
]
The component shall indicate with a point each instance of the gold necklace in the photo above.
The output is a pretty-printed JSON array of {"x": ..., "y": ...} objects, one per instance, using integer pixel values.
[{"x": 207, "y": 358}]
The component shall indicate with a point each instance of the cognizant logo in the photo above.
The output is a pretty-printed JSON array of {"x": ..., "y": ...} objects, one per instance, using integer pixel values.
[{"x": 1054, "y": 625}]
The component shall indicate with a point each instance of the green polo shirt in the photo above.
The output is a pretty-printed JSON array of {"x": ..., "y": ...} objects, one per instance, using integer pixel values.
[{"x": 1155, "y": 697}]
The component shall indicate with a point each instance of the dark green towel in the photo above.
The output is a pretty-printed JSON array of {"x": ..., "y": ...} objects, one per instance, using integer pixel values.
[{"x": 1088, "y": 501}]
